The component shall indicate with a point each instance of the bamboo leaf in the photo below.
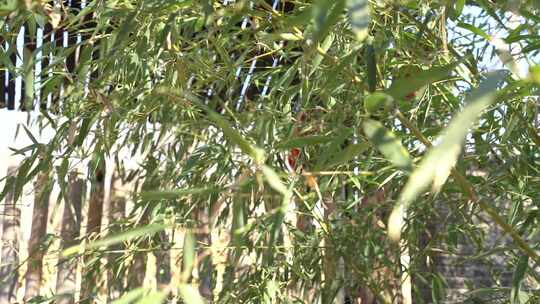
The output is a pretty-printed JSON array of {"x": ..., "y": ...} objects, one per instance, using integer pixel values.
[
  {"x": 387, "y": 143},
  {"x": 115, "y": 239},
  {"x": 401, "y": 87},
  {"x": 233, "y": 135},
  {"x": 519, "y": 275},
  {"x": 377, "y": 101},
  {"x": 474, "y": 29},
  {"x": 325, "y": 14},
  {"x": 32, "y": 138},
  {"x": 436, "y": 165},
  {"x": 274, "y": 181},
  {"x": 299, "y": 142},
  {"x": 130, "y": 296},
  {"x": 359, "y": 18},
  {"x": 347, "y": 154},
  {"x": 172, "y": 194}
]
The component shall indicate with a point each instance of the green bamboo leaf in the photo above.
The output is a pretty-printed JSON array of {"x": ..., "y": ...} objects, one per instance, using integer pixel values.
[
  {"x": 436, "y": 165},
  {"x": 359, "y": 18},
  {"x": 130, "y": 296},
  {"x": 115, "y": 239},
  {"x": 325, "y": 14},
  {"x": 347, "y": 154},
  {"x": 172, "y": 194},
  {"x": 255, "y": 153},
  {"x": 274, "y": 181},
  {"x": 238, "y": 222},
  {"x": 460, "y": 4},
  {"x": 299, "y": 142},
  {"x": 517, "y": 279},
  {"x": 377, "y": 101},
  {"x": 22, "y": 151},
  {"x": 387, "y": 143},
  {"x": 32, "y": 138},
  {"x": 401, "y": 87},
  {"x": 325, "y": 46},
  {"x": 233, "y": 135},
  {"x": 475, "y": 30},
  {"x": 190, "y": 295}
]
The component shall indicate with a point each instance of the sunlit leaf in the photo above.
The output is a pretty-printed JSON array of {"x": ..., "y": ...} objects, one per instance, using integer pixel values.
[
  {"x": 437, "y": 163},
  {"x": 387, "y": 143},
  {"x": 189, "y": 248},
  {"x": 190, "y": 295}
]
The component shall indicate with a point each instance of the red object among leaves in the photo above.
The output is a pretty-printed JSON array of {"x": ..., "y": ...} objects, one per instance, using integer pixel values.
[
  {"x": 410, "y": 96},
  {"x": 294, "y": 154}
]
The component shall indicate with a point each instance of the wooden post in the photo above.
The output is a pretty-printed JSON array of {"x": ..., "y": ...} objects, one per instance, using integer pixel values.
[
  {"x": 10, "y": 246},
  {"x": 69, "y": 233},
  {"x": 39, "y": 228}
]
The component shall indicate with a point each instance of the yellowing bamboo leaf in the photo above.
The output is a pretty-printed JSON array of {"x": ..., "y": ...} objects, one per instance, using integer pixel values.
[
  {"x": 189, "y": 251},
  {"x": 439, "y": 161},
  {"x": 290, "y": 36},
  {"x": 387, "y": 143}
]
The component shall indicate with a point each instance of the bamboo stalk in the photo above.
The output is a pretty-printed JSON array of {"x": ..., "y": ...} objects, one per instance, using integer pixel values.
[
  {"x": 39, "y": 229},
  {"x": 10, "y": 246}
]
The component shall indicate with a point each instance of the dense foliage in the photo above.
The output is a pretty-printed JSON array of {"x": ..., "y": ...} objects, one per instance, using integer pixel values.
[{"x": 291, "y": 144}]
